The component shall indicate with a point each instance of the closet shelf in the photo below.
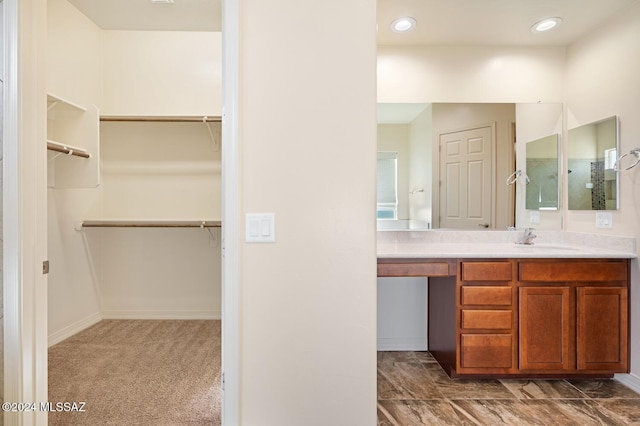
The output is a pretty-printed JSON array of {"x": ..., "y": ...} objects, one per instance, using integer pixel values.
[
  {"x": 53, "y": 101},
  {"x": 163, "y": 118},
  {"x": 204, "y": 119},
  {"x": 122, "y": 223},
  {"x": 67, "y": 149}
]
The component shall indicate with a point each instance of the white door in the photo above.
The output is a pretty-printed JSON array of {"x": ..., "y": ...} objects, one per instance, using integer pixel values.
[{"x": 465, "y": 178}]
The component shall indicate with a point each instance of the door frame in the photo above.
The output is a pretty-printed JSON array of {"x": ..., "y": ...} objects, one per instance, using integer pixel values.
[
  {"x": 24, "y": 208},
  {"x": 230, "y": 213}
]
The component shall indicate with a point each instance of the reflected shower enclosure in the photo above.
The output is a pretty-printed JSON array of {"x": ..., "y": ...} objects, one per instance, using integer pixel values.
[
  {"x": 542, "y": 174},
  {"x": 593, "y": 182}
]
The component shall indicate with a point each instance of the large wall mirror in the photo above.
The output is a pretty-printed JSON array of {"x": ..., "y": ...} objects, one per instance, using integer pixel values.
[
  {"x": 452, "y": 161},
  {"x": 592, "y": 154}
]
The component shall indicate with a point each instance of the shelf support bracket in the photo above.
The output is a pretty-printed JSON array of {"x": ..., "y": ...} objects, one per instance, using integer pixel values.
[{"x": 214, "y": 142}]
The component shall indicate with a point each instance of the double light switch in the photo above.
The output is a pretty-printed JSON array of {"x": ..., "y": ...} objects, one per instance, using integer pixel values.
[{"x": 260, "y": 228}]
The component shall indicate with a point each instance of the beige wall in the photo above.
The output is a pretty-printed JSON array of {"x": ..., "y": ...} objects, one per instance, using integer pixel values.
[
  {"x": 74, "y": 54},
  {"x": 602, "y": 80},
  {"x": 470, "y": 74},
  {"x": 308, "y": 154},
  {"x": 159, "y": 171},
  {"x": 597, "y": 90},
  {"x": 73, "y": 70},
  {"x": 162, "y": 73}
]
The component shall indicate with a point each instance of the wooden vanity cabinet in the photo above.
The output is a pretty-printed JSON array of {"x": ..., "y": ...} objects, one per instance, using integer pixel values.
[
  {"x": 573, "y": 316},
  {"x": 525, "y": 317}
]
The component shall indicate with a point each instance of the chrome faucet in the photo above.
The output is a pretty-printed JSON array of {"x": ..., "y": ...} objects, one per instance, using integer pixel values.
[{"x": 527, "y": 237}]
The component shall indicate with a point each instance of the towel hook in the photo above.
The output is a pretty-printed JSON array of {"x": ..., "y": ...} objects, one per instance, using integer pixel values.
[
  {"x": 513, "y": 177},
  {"x": 635, "y": 152}
]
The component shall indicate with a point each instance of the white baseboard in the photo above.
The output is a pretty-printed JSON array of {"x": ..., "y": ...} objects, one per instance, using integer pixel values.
[
  {"x": 74, "y": 328},
  {"x": 629, "y": 380},
  {"x": 402, "y": 344},
  {"x": 186, "y": 315}
]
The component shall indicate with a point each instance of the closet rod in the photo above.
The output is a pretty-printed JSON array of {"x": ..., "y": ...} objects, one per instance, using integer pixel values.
[
  {"x": 185, "y": 119},
  {"x": 54, "y": 146},
  {"x": 151, "y": 224}
]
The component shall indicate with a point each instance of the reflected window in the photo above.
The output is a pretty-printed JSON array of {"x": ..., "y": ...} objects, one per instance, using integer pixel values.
[
  {"x": 610, "y": 158},
  {"x": 387, "y": 204}
]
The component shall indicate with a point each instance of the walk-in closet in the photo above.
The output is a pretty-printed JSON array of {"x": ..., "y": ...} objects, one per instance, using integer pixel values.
[{"x": 134, "y": 166}]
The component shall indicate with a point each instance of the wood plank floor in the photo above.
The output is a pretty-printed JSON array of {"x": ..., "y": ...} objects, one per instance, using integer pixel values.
[{"x": 414, "y": 390}]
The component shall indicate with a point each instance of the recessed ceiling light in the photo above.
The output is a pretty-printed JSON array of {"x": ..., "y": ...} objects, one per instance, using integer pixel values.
[
  {"x": 546, "y": 25},
  {"x": 402, "y": 25},
  {"x": 161, "y": 1}
]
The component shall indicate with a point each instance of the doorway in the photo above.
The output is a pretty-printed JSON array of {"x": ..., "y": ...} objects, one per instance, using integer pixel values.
[
  {"x": 143, "y": 230},
  {"x": 26, "y": 352}
]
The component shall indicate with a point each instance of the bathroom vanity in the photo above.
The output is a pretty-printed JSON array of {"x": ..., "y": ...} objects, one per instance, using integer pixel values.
[{"x": 497, "y": 309}]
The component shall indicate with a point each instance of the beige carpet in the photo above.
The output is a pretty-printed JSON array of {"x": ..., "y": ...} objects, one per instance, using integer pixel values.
[{"x": 139, "y": 372}]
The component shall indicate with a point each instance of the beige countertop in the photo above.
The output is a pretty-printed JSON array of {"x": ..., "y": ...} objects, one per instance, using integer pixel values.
[{"x": 501, "y": 244}]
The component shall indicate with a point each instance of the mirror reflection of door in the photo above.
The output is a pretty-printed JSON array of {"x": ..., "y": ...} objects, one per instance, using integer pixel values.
[{"x": 465, "y": 178}]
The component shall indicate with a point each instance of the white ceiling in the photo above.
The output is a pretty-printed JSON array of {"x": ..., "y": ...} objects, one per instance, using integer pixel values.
[
  {"x": 183, "y": 15},
  {"x": 493, "y": 22},
  {"x": 439, "y": 22}
]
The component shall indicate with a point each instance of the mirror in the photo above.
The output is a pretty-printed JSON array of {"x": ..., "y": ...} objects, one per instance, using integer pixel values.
[
  {"x": 416, "y": 132},
  {"x": 542, "y": 192},
  {"x": 592, "y": 154}
]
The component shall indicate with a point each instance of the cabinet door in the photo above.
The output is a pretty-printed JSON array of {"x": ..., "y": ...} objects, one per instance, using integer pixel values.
[
  {"x": 544, "y": 328},
  {"x": 602, "y": 328}
]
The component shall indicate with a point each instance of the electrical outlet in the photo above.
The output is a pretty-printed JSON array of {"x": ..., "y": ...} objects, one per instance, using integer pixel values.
[
  {"x": 604, "y": 220},
  {"x": 534, "y": 216}
]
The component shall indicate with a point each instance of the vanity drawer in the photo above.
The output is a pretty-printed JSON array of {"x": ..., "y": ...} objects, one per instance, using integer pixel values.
[
  {"x": 486, "y": 351},
  {"x": 562, "y": 271},
  {"x": 486, "y": 295},
  {"x": 401, "y": 268},
  {"x": 486, "y": 320},
  {"x": 486, "y": 271}
]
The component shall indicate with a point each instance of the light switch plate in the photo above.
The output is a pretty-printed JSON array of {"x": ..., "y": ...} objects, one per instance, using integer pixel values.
[
  {"x": 604, "y": 220},
  {"x": 260, "y": 228}
]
